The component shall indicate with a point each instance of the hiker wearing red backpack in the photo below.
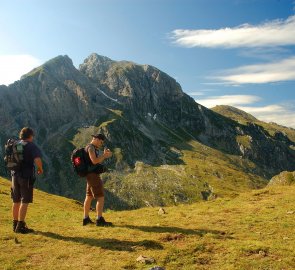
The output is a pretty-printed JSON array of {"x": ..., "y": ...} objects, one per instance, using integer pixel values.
[
  {"x": 94, "y": 189},
  {"x": 21, "y": 158}
]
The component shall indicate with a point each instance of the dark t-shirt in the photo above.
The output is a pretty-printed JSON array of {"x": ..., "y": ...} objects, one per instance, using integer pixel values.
[{"x": 31, "y": 152}]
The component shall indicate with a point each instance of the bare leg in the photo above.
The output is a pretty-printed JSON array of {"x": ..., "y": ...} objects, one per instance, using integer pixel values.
[
  {"x": 99, "y": 206},
  {"x": 23, "y": 211},
  {"x": 15, "y": 210},
  {"x": 87, "y": 205}
]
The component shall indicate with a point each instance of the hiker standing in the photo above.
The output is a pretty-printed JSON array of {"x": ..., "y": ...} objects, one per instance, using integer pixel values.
[
  {"x": 94, "y": 189},
  {"x": 23, "y": 179}
]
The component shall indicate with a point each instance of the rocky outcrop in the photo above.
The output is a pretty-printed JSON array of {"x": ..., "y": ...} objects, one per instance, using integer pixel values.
[{"x": 283, "y": 179}]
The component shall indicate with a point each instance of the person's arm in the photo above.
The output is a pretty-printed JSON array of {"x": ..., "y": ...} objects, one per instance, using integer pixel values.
[
  {"x": 96, "y": 160},
  {"x": 39, "y": 165}
]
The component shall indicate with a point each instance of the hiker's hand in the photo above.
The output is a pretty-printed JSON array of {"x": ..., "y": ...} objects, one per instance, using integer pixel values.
[
  {"x": 40, "y": 171},
  {"x": 107, "y": 153},
  {"x": 39, "y": 165}
]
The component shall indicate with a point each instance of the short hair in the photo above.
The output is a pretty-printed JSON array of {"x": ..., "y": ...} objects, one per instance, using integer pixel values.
[
  {"x": 26, "y": 133},
  {"x": 99, "y": 136}
]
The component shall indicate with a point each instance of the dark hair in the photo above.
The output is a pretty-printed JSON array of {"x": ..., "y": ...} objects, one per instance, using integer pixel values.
[
  {"x": 99, "y": 136},
  {"x": 26, "y": 133}
]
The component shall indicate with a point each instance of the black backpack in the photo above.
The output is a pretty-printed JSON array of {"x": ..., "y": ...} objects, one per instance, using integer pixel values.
[
  {"x": 14, "y": 154},
  {"x": 80, "y": 161},
  {"x": 82, "y": 164},
  {"x": 98, "y": 168}
]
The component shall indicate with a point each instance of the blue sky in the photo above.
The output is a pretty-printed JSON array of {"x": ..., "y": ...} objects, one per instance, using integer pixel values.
[{"x": 235, "y": 52}]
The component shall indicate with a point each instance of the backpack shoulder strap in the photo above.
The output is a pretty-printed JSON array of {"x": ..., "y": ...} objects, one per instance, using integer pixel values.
[{"x": 88, "y": 146}]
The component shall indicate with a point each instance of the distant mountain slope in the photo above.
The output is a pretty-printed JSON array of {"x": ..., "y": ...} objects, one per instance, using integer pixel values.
[
  {"x": 234, "y": 113},
  {"x": 167, "y": 148},
  {"x": 242, "y": 117},
  {"x": 254, "y": 230}
]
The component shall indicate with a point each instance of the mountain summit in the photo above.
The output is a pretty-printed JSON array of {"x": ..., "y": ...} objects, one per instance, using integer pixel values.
[{"x": 167, "y": 148}]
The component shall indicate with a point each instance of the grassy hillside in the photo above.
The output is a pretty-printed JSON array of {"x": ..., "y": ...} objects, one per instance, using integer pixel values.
[
  {"x": 234, "y": 113},
  {"x": 254, "y": 230},
  {"x": 192, "y": 171},
  {"x": 205, "y": 173}
]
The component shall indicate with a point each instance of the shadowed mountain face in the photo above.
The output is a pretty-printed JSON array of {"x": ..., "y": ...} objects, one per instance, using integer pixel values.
[{"x": 155, "y": 130}]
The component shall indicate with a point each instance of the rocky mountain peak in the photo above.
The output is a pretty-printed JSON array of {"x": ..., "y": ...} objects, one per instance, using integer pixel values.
[
  {"x": 94, "y": 66},
  {"x": 59, "y": 61},
  {"x": 61, "y": 66},
  {"x": 142, "y": 89}
]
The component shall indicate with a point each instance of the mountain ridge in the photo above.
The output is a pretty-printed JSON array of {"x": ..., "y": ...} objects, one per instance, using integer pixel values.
[
  {"x": 241, "y": 116},
  {"x": 234, "y": 113}
]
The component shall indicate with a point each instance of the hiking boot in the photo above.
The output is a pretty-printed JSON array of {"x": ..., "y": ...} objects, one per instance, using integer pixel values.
[
  {"x": 21, "y": 227},
  {"x": 87, "y": 221},
  {"x": 14, "y": 224},
  {"x": 102, "y": 223}
]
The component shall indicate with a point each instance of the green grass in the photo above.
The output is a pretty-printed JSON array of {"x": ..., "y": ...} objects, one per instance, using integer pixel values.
[
  {"x": 204, "y": 173},
  {"x": 244, "y": 140},
  {"x": 227, "y": 174},
  {"x": 254, "y": 230},
  {"x": 234, "y": 113}
]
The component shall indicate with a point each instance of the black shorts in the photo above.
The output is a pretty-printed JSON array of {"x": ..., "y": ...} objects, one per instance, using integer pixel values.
[{"x": 21, "y": 189}]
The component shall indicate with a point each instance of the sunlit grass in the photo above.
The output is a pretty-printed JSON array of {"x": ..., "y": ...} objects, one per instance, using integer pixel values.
[{"x": 254, "y": 230}]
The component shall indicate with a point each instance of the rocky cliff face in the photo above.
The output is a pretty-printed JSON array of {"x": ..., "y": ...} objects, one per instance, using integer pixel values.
[
  {"x": 268, "y": 144},
  {"x": 143, "y": 112},
  {"x": 143, "y": 90}
]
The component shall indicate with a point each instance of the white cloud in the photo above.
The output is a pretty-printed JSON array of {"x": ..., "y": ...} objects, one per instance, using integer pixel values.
[
  {"x": 12, "y": 67},
  {"x": 200, "y": 92},
  {"x": 232, "y": 100},
  {"x": 269, "y": 34},
  {"x": 281, "y": 114},
  {"x": 283, "y": 70},
  {"x": 272, "y": 113},
  {"x": 263, "y": 110},
  {"x": 197, "y": 93}
]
